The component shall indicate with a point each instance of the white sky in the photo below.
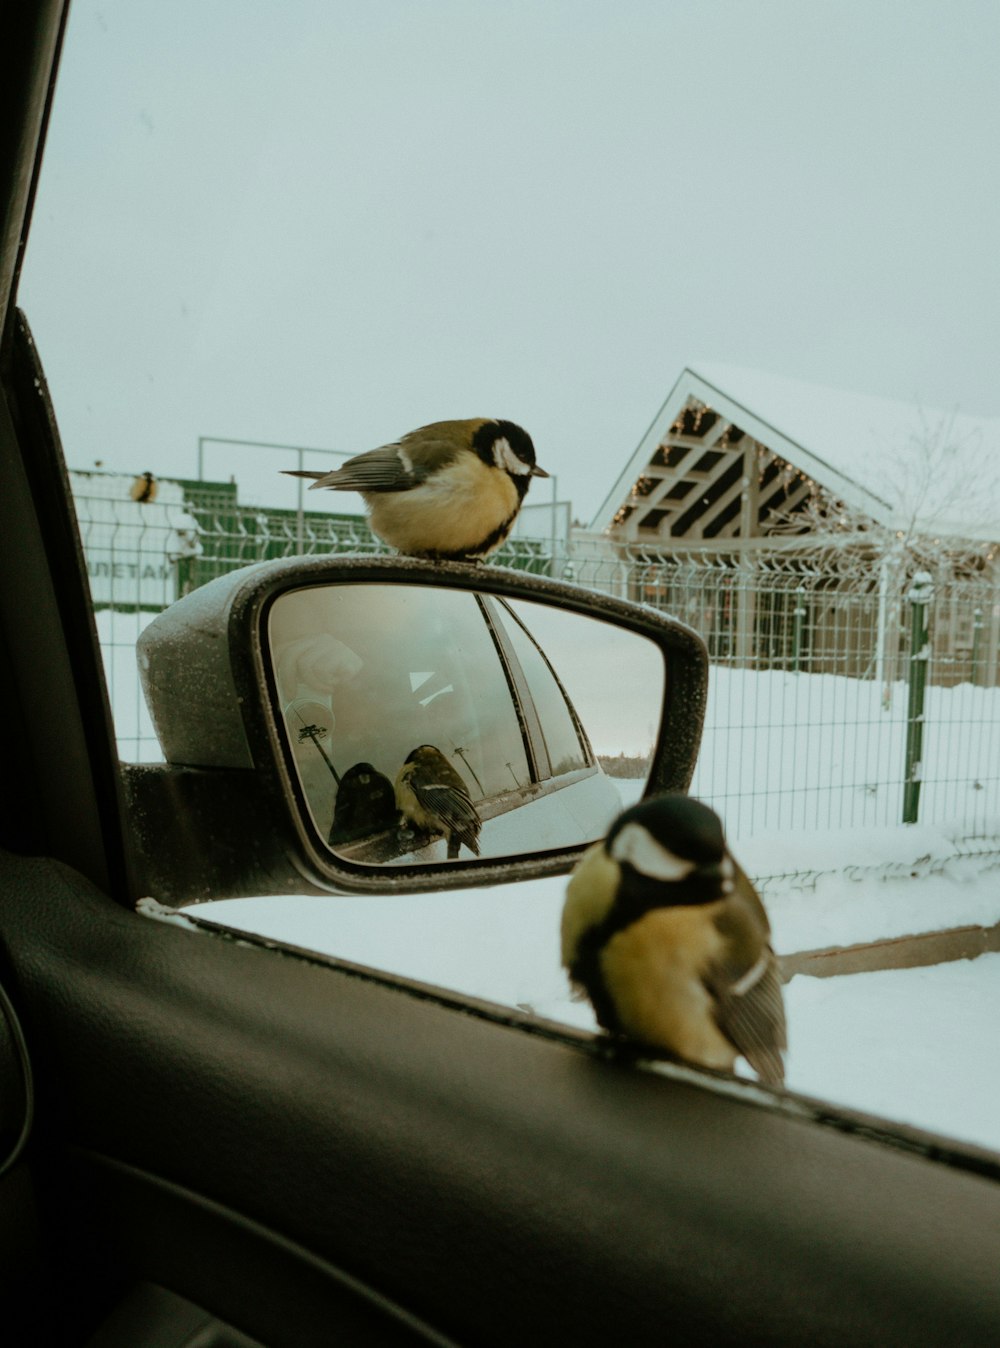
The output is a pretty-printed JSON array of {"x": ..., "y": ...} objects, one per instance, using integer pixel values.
[{"x": 326, "y": 223}]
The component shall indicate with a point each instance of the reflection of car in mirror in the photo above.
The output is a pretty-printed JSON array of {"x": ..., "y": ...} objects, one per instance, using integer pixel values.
[{"x": 448, "y": 695}]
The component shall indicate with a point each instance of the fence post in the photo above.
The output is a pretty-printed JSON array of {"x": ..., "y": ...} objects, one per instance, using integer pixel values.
[
  {"x": 886, "y": 660},
  {"x": 798, "y": 616},
  {"x": 919, "y": 597},
  {"x": 746, "y": 613},
  {"x": 977, "y": 637},
  {"x": 300, "y": 518}
]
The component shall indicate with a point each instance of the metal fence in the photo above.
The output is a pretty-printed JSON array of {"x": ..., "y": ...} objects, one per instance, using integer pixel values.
[
  {"x": 141, "y": 556},
  {"x": 825, "y": 711},
  {"x": 811, "y": 721}
]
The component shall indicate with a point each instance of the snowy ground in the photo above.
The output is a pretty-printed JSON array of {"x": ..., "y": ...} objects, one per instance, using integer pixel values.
[
  {"x": 820, "y": 751},
  {"x": 916, "y": 1045}
]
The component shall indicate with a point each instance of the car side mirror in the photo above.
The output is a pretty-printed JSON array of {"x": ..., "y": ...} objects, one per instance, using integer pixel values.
[{"x": 369, "y": 721}]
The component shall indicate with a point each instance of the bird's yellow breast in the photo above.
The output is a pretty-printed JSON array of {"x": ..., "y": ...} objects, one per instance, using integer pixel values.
[
  {"x": 452, "y": 511},
  {"x": 589, "y": 896},
  {"x": 652, "y": 972}
]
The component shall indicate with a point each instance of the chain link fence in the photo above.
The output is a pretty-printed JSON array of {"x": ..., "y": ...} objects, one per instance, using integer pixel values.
[{"x": 811, "y": 720}]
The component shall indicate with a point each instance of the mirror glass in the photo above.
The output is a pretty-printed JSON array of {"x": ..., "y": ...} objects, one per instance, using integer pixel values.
[{"x": 429, "y": 724}]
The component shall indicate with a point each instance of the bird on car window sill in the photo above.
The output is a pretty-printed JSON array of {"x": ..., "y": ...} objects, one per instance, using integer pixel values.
[{"x": 667, "y": 937}]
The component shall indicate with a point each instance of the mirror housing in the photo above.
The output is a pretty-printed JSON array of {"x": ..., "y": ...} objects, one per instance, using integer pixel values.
[{"x": 225, "y": 817}]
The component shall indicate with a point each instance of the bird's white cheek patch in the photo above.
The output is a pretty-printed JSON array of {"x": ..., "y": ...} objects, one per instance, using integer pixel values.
[
  {"x": 640, "y": 850},
  {"x": 405, "y": 460},
  {"x": 504, "y": 457}
]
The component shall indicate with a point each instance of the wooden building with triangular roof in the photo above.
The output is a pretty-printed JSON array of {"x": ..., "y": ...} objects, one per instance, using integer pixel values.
[
  {"x": 728, "y": 476},
  {"x": 733, "y": 452}
]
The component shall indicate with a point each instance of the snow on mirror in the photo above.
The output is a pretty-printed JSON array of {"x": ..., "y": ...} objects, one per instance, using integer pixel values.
[{"x": 431, "y": 724}]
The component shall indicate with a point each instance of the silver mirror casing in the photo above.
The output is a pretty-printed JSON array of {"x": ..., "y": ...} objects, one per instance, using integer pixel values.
[{"x": 228, "y": 803}]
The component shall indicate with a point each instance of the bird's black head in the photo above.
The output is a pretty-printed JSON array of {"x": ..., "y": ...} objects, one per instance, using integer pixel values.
[
  {"x": 673, "y": 846},
  {"x": 689, "y": 828},
  {"x": 365, "y": 805},
  {"x": 505, "y": 445},
  {"x": 423, "y": 752}
]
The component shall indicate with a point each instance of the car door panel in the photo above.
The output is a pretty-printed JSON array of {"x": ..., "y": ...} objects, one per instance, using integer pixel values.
[
  {"x": 494, "y": 1185},
  {"x": 151, "y": 1317}
]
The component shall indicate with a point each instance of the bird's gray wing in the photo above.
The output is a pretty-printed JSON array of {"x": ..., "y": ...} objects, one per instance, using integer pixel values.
[
  {"x": 750, "y": 1012},
  {"x": 390, "y": 468},
  {"x": 746, "y": 984},
  {"x": 454, "y": 807}
]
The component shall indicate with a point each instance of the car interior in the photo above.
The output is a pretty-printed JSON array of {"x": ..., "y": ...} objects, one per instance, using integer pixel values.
[{"x": 209, "y": 1140}]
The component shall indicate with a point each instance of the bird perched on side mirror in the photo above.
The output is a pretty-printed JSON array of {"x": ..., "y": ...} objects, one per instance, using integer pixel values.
[
  {"x": 669, "y": 940},
  {"x": 450, "y": 490},
  {"x": 432, "y": 795}
]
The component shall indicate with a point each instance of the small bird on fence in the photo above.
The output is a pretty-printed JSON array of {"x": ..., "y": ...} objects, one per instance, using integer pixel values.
[
  {"x": 450, "y": 490},
  {"x": 431, "y": 795},
  {"x": 144, "y": 488},
  {"x": 669, "y": 940}
]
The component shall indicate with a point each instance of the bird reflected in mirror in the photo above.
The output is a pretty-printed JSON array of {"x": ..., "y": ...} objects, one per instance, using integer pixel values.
[
  {"x": 144, "y": 488},
  {"x": 365, "y": 804},
  {"x": 451, "y": 490},
  {"x": 431, "y": 795},
  {"x": 669, "y": 940}
]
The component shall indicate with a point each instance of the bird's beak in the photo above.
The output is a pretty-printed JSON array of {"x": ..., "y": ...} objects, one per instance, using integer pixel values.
[{"x": 538, "y": 472}]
